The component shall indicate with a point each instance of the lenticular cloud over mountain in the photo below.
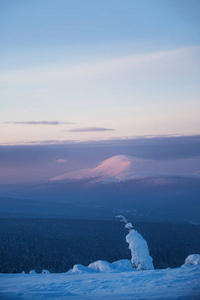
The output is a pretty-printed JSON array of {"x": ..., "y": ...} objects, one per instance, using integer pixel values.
[{"x": 119, "y": 167}]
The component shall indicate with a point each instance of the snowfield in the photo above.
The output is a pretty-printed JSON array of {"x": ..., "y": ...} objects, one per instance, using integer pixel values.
[{"x": 88, "y": 283}]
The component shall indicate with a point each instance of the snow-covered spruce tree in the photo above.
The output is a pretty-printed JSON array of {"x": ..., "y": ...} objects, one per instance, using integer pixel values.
[{"x": 140, "y": 257}]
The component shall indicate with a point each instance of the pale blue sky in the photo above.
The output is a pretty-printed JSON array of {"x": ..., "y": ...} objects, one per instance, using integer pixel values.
[{"x": 131, "y": 66}]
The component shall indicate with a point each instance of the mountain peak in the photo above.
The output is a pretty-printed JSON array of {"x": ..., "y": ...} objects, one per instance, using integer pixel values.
[
  {"x": 119, "y": 167},
  {"x": 114, "y": 166}
]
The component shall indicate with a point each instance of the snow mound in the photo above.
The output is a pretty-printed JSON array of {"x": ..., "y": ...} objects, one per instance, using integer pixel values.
[
  {"x": 123, "y": 265},
  {"x": 141, "y": 260},
  {"x": 80, "y": 269},
  {"x": 193, "y": 259},
  {"x": 45, "y": 272},
  {"x": 102, "y": 266},
  {"x": 119, "y": 167},
  {"x": 32, "y": 272}
]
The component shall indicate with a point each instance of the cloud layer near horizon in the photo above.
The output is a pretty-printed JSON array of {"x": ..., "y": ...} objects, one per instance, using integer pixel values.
[
  {"x": 33, "y": 163},
  {"x": 38, "y": 122},
  {"x": 88, "y": 129}
]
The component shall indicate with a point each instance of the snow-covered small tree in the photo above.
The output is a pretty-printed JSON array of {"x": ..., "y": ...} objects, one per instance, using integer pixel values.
[{"x": 140, "y": 257}]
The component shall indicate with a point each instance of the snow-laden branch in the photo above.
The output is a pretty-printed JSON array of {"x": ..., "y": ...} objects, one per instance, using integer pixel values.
[{"x": 122, "y": 219}]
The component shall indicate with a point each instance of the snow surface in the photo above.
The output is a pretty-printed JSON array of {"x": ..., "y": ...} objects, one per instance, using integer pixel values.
[{"x": 178, "y": 283}]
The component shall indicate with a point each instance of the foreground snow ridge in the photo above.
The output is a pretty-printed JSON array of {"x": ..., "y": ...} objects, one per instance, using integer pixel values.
[{"x": 106, "y": 281}]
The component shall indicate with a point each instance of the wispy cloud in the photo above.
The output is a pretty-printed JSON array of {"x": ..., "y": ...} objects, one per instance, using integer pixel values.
[
  {"x": 88, "y": 129},
  {"x": 61, "y": 160},
  {"x": 38, "y": 122},
  {"x": 180, "y": 59}
]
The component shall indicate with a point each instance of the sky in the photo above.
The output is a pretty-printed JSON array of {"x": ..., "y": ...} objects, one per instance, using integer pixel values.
[
  {"x": 98, "y": 70},
  {"x": 81, "y": 81}
]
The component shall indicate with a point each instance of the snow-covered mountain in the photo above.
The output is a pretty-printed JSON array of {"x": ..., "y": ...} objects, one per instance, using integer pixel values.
[
  {"x": 124, "y": 167},
  {"x": 119, "y": 167}
]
